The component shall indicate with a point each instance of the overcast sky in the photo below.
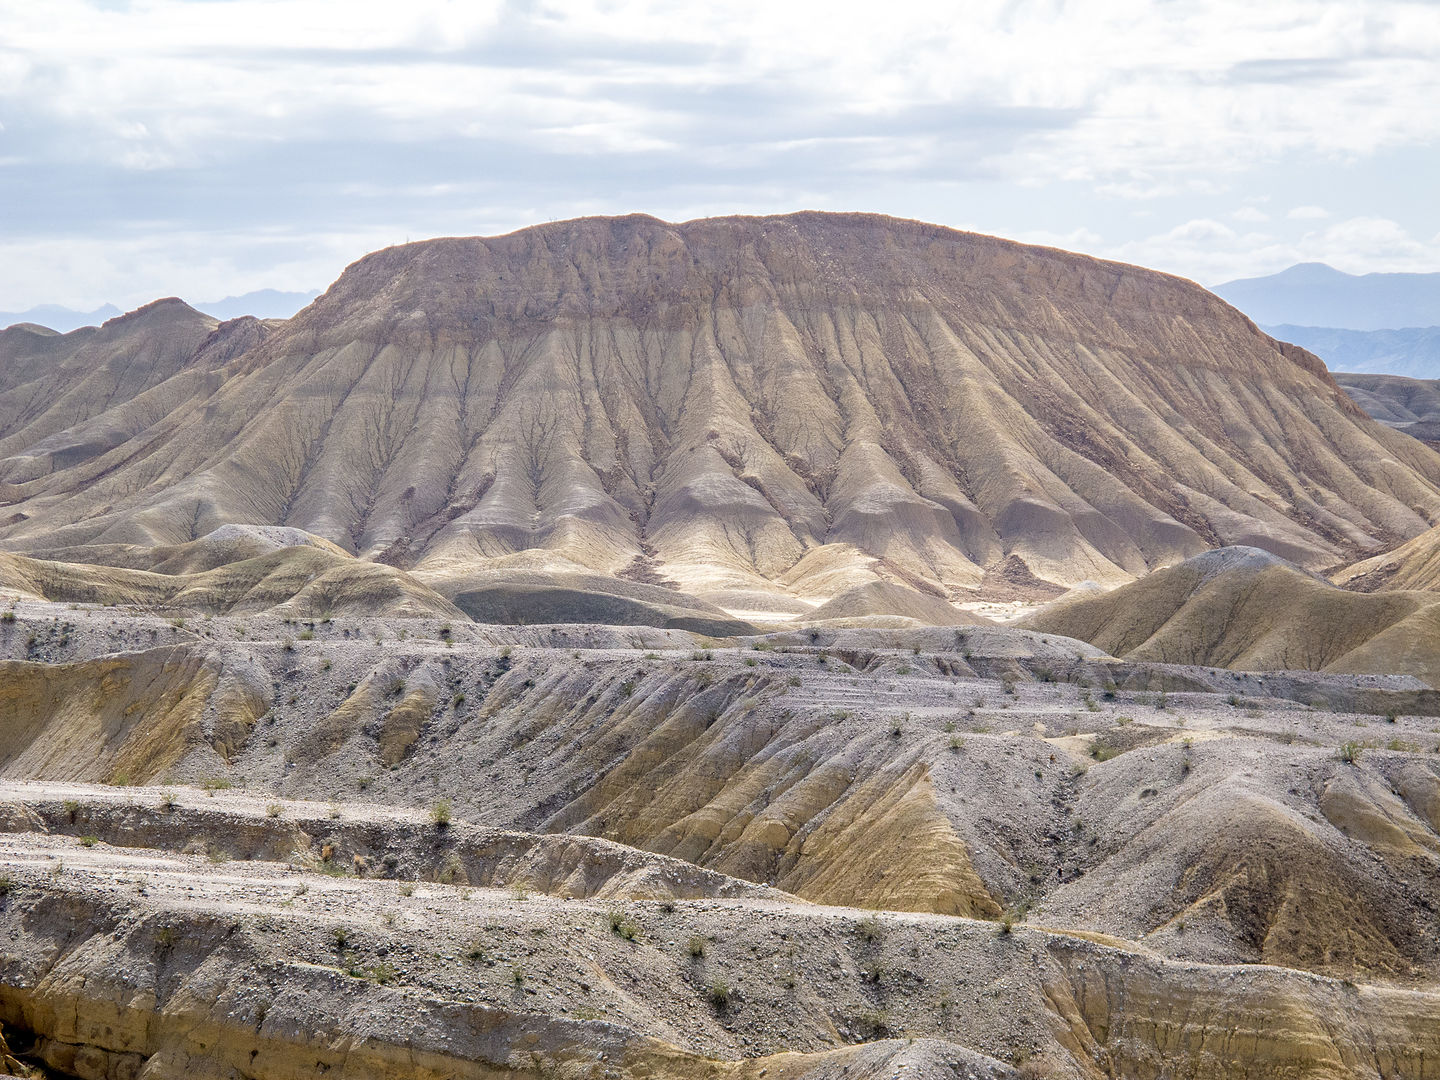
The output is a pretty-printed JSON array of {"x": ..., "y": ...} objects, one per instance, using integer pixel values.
[{"x": 212, "y": 147}]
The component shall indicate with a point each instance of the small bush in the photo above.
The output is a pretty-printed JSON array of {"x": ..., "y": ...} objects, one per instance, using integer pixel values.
[
  {"x": 167, "y": 800},
  {"x": 340, "y": 937},
  {"x": 216, "y": 783},
  {"x": 440, "y": 813},
  {"x": 624, "y": 926},
  {"x": 695, "y": 946},
  {"x": 89, "y": 841},
  {"x": 719, "y": 994},
  {"x": 1350, "y": 752}
]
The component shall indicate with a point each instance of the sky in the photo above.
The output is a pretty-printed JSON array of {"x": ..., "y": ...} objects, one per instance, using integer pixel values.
[{"x": 206, "y": 148}]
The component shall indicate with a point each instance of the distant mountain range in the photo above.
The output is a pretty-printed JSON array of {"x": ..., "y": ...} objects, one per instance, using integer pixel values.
[
  {"x": 1313, "y": 294},
  {"x": 1414, "y": 351},
  {"x": 1380, "y": 323},
  {"x": 263, "y": 304}
]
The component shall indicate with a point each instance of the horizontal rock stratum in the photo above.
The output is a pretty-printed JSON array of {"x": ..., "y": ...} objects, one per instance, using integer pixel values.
[{"x": 754, "y": 409}]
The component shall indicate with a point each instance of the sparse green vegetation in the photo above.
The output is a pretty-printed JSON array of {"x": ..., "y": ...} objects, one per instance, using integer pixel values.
[
  {"x": 440, "y": 814},
  {"x": 623, "y": 926}
]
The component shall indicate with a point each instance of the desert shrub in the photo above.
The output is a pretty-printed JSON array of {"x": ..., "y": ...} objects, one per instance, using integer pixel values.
[
  {"x": 440, "y": 813},
  {"x": 1350, "y": 752},
  {"x": 695, "y": 946},
  {"x": 719, "y": 994},
  {"x": 623, "y": 926},
  {"x": 274, "y": 810}
]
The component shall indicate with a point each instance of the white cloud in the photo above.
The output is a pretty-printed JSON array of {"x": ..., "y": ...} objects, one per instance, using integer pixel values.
[
  {"x": 1308, "y": 213},
  {"x": 756, "y": 105},
  {"x": 1211, "y": 252}
]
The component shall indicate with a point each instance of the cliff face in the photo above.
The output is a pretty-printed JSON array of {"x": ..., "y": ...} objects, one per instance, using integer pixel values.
[{"x": 791, "y": 405}]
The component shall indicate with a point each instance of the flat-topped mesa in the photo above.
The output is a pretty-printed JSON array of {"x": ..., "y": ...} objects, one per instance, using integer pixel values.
[{"x": 788, "y": 406}]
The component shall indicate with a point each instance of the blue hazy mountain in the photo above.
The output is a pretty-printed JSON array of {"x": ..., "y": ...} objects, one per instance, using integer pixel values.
[
  {"x": 1413, "y": 352},
  {"x": 59, "y": 318},
  {"x": 1313, "y": 294},
  {"x": 263, "y": 304}
]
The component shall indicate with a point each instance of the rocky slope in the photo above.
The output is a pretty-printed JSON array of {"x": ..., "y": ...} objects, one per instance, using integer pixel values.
[
  {"x": 774, "y": 409},
  {"x": 826, "y": 852},
  {"x": 1408, "y": 405}
]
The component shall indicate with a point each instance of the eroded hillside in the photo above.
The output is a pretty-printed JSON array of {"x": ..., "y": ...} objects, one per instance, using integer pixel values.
[
  {"x": 818, "y": 853},
  {"x": 761, "y": 411}
]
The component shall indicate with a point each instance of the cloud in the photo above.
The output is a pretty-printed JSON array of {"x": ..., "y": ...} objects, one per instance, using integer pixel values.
[
  {"x": 1211, "y": 252},
  {"x": 255, "y": 118},
  {"x": 1308, "y": 213},
  {"x": 1250, "y": 214}
]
